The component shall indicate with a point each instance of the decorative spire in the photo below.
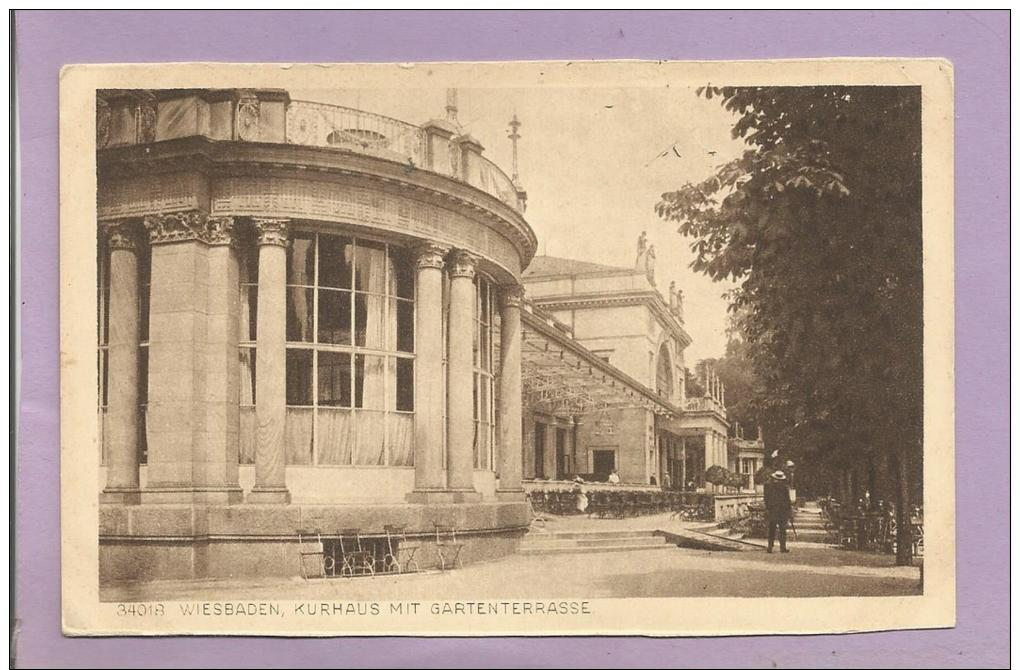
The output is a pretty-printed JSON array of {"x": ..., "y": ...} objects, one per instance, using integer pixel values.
[
  {"x": 451, "y": 105},
  {"x": 514, "y": 136}
]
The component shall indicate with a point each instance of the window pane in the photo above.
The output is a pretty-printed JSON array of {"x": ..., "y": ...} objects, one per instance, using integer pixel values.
[
  {"x": 404, "y": 385},
  {"x": 299, "y": 377},
  {"x": 371, "y": 429},
  {"x": 400, "y": 437},
  {"x": 299, "y": 314},
  {"x": 335, "y": 255},
  {"x": 104, "y": 372},
  {"x": 475, "y": 337},
  {"x": 334, "y": 317},
  {"x": 334, "y": 379},
  {"x": 402, "y": 271},
  {"x": 144, "y": 288},
  {"x": 298, "y": 435},
  {"x": 248, "y": 258},
  {"x": 247, "y": 386},
  {"x": 143, "y": 375},
  {"x": 369, "y": 321},
  {"x": 336, "y": 436},
  {"x": 369, "y": 382},
  {"x": 370, "y": 267},
  {"x": 248, "y": 316},
  {"x": 484, "y": 349},
  {"x": 404, "y": 325},
  {"x": 301, "y": 260}
]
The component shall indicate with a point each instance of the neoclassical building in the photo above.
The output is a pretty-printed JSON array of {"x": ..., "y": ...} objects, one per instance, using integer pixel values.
[
  {"x": 636, "y": 336},
  {"x": 309, "y": 318}
]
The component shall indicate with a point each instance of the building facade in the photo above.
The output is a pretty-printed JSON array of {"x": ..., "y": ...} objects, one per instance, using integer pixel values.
[
  {"x": 309, "y": 319},
  {"x": 619, "y": 315}
]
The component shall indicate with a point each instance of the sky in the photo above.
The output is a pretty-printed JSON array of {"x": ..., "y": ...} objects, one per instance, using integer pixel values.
[{"x": 590, "y": 161}]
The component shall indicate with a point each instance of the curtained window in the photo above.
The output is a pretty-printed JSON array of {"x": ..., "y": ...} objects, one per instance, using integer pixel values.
[{"x": 350, "y": 352}]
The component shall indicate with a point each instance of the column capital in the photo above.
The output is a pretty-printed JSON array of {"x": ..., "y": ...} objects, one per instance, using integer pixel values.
[
  {"x": 121, "y": 235},
  {"x": 512, "y": 295},
  {"x": 176, "y": 227},
  {"x": 430, "y": 255},
  {"x": 219, "y": 230},
  {"x": 462, "y": 264},
  {"x": 272, "y": 231}
]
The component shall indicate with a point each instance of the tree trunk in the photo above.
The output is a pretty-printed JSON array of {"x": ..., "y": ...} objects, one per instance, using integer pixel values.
[{"x": 904, "y": 546}]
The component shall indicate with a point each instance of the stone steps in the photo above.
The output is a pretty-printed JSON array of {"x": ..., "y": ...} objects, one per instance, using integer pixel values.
[{"x": 592, "y": 542}]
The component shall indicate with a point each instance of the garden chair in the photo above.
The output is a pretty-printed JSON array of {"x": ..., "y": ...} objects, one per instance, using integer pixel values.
[
  {"x": 311, "y": 549},
  {"x": 447, "y": 546},
  {"x": 397, "y": 547},
  {"x": 356, "y": 560}
]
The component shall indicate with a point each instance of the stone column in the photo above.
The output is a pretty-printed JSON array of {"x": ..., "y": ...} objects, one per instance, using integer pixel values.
[
  {"x": 510, "y": 444},
  {"x": 122, "y": 351},
  {"x": 429, "y": 400},
  {"x": 271, "y": 379},
  {"x": 216, "y": 461},
  {"x": 460, "y": 378}
]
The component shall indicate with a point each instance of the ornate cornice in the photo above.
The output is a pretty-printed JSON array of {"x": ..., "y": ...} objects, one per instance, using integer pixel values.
[
  {"x": 463, "y": 264},
  {"x": 430, "y": 255},
  {"x": 122, "y": 235},
  {"x": 649, "y": 298},
  {"x": 272, "y": 231},
  {"x": 512, "y": 295},
  {"x": 288, "y": 160}
]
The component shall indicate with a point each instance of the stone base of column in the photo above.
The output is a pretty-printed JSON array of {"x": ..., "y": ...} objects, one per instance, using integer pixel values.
[
  {"x": 269, "y": 496},
  {"x": 510, "y": 495},
  {"x": 443, "y": 496},
  {"x": 120, "y": 496},
  {"x": 214, "y": 495}
]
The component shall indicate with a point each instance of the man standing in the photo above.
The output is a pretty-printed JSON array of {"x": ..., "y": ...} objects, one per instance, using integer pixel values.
[{"x": 777, "y": 508}]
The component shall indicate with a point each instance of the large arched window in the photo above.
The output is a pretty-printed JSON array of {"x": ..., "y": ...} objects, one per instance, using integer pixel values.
[
  {"x": 350, "y": 352},
  {"x": 664, "y": 372}
]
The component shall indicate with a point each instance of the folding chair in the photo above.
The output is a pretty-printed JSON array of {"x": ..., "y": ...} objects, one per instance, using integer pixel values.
[
  {"x": 447, "y": 546},
  {"x": 396, "y": 544},
  {"x": 356, "y": 561},
  {"x": 311, "y": 549}
]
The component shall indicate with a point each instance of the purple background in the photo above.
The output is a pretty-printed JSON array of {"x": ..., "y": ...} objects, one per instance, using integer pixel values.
[{"x": 976, "y": 42}]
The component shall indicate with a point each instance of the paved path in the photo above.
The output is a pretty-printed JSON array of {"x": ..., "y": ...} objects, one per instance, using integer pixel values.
[{"x": 809, "y": 572}]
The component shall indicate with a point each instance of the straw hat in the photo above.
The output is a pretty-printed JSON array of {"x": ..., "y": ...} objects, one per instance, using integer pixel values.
[{"x": 779, "y": 475}]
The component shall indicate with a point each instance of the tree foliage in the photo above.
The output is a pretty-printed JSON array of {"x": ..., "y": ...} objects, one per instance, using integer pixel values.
[{"x": 819, "y": 223}]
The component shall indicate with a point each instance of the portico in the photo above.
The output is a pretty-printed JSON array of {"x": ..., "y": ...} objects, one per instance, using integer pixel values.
[{"x": 301, "y": 332}]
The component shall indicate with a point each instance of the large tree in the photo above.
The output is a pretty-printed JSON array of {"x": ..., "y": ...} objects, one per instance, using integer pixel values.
[{"x": 819, "y": 222}]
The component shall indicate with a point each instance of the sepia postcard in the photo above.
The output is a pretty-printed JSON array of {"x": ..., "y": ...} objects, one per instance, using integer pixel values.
[{"x": 507, "y": 348}]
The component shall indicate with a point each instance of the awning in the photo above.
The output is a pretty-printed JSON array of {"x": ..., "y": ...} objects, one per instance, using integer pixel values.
[{"x": 562, "y": 378}]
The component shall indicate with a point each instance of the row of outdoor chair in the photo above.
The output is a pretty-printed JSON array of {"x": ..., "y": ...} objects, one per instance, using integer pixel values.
[
  {"x": 605, "y": 503},
  {"x": 349, "y": 553},
  {"x": 875, "y": 530}
]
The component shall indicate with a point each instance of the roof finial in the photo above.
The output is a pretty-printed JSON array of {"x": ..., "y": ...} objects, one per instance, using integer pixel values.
[
  {"x": 514, "y": 136},
  {"x": 451, "y": 105}
]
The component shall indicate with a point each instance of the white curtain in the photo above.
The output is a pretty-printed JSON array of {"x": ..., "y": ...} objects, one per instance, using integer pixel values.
[
  {"x": 335, "y": 436},
  {"x": 298, "y": 435},
  {"x": 401, "y": 439}
]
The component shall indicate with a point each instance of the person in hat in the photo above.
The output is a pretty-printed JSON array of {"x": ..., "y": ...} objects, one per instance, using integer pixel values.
[{"x": 777, "y": 508}]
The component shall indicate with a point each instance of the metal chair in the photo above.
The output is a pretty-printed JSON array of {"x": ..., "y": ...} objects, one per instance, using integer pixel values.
[
  {"x": 396, "y": 544},
  {"x": 447, "y": 546},
  {"x": 356, "y": 560},
  {"x": 311, "y": 548}
]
